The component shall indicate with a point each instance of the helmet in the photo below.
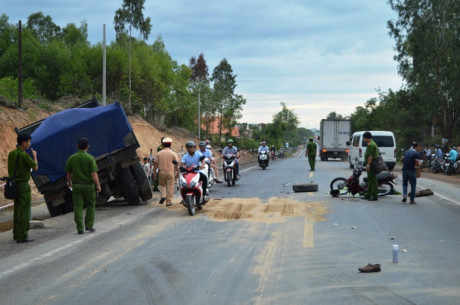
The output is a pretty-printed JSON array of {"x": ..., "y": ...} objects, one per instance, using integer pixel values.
[
  {"x": 190, "y": 144},
  {"x": 229, "y": 141},
  {"x": 207, "y": 142},
  {"x": 202, "y": 143},
  {"x": 263, "y": 142}
]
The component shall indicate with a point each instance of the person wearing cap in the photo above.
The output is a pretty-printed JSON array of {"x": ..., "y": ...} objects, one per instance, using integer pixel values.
[
  {"x": 193, "y": 157},
  {"x": 233, "y": 150},
  {"x": 311, "y": 153},
  {"x": 372, "y": 152},
  {"x": 208, "y": 154},
  {"x": 166, "y": 177},
  {"x": 409, "y": 176},
  {"x": 82, "y": 179},
  {"x": 262, "y": 147},
  {"x": 19, "y": 165}
]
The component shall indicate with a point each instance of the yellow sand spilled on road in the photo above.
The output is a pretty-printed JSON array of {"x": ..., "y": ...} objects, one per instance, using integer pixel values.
[{"x": 275, "y": 210}]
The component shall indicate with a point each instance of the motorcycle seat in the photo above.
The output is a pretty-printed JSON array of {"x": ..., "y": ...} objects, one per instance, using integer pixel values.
[{"x": 381, "y": 177}]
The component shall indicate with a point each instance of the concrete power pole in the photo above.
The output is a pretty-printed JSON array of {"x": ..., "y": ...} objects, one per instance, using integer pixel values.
[{"x": 104, "y": 71}]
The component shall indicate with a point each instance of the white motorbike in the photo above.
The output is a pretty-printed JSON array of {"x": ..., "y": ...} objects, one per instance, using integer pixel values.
[
  {"x": 263, "y": 159},
  {"x": 208, "y": 171}
]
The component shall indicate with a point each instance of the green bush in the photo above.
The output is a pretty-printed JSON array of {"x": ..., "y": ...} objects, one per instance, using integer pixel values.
[{"x": 9, "y": 88}]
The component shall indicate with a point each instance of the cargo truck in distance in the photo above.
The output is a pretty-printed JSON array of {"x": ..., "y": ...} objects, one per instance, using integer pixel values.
[
  {"x": 334, "y": 135},
  {"x": 112, "y": 142}
]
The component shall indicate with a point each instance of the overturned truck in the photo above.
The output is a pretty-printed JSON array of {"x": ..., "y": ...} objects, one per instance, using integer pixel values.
[{"x": 112, "y": 143}]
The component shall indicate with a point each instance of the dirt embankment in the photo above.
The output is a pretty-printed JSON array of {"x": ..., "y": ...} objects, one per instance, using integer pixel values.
[{"x": 148, "y": 136}]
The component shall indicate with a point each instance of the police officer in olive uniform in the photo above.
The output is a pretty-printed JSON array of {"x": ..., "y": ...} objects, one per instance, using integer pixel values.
[
  {"x": 20, "y": 163},
  {"x": 81, "y": 171},
  {"x": 311, "y": 153},
  {"x": 372, "y": 152}
]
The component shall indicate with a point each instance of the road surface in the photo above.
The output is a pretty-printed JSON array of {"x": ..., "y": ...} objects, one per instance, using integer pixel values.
[{"x": 254, "y": 243}]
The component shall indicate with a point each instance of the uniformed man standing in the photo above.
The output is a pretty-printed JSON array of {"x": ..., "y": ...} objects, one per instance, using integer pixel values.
[
  {"x": 311, "y": 153},
  {"x": 166, "y": 177},
  {"x": 19, "y": 164},
  {"x": 81, "y": 171},
  {"x": 372, "y": 152}
]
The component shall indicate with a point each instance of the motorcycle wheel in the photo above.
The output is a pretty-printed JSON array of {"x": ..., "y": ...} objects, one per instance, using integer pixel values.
[
  {"x": 190, "y": 202},
  {"x": 385, "y": 189},
  {"x": 339, "y": 185},
  {"x": 228, "y": 176},
  {"x": 264, "y": 165}
]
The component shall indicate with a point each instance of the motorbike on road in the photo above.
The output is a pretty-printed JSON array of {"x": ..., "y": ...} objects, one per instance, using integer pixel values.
[
  {"x": 273, "y": 155},
  {"x": 191, "y": 189},
  {"x": 229, "y": 167},
  {"x": 342, "y": 186},
  {"x": 263, "y": 159},
  {"x": 449, "y": 167},
  {"x": 209, "y": 173}
]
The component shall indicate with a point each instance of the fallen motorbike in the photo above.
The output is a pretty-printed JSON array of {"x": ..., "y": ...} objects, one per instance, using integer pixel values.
[
  {"x": 191, "y": 188},
  {"x": 263, "y": 159},
  {"x": 229, "y": 167},
  {"x": 342, "y": 186}
]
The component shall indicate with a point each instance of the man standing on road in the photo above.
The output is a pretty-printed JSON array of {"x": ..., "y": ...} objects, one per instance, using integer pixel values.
[
  {"x": 166, "y": 177},
  {"x": 81, "y": 171},
  {"x": 372, "y": 152},
  {"x": 410, "y": 158},
  {"x": 19, "y": 165},
  {"x": 311, "y": 153}
]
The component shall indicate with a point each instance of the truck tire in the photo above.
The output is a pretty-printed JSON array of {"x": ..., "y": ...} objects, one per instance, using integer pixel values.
[
  {"x": 143, "y": 185},
  {"x": 129, "y": 186},
  {"x": 67, "y": 206},
  {"x": 305, "y": 187},
  {"x": 54, "y": 211}
]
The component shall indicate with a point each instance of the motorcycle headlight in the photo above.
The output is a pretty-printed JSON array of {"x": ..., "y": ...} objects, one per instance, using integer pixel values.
[
  {"x": 183, "y": 183},
  {"x": 193, "y": 183}
]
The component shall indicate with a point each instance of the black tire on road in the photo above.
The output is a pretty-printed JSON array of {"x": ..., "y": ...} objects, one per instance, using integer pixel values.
[
  {"x": 54, "y": 211},
  {"x": 228, "y": 175},
  {"x": 129, "y": 186},
  {"x": 189, "y": 202},
  {"x": 305, "y": 187},
  {"x": 143, "y": 185},
  {"x": 67, "y": 206}
]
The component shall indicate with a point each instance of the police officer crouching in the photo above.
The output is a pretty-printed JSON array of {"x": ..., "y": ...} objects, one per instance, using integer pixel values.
[{"x": 81, "y": 171}]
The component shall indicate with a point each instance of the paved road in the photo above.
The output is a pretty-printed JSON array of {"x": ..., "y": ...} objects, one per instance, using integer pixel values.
[{"x": 255, "y": 243}]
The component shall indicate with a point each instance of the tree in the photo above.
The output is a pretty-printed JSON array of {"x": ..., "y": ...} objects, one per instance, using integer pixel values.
[
  {"x": 224, "y": 85},
  {"x": 427, "y": 33},
  {"x": 199, "y": 79},
  {"x": 7, "y": 34},
  {"x": 131, "y": 14},
  {"x": 334, "y": 116},
  {"x": 43, "y": 27}
]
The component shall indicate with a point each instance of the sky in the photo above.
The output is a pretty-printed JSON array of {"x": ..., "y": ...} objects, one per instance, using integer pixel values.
[{"x": 315, "y": 56}]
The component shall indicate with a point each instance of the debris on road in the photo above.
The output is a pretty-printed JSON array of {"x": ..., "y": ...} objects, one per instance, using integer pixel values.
[
  {"x": 370, "y": 268},
  {"x": 305, "y": 187},
  {"x": 422, "y": 193}
]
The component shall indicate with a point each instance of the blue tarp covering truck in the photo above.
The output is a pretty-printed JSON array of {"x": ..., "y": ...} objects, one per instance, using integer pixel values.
[{"x": 112, "y": 143}]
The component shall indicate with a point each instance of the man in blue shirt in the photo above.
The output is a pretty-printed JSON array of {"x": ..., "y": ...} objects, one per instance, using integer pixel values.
[
  {"x": 453, "y": 154},
  {"x": 410, "y": 158},
  {"x": 193, "y": 157}
]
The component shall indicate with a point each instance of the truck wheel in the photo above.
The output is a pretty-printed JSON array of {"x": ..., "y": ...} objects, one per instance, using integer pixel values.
[
  {"x": 129, "y": 186},
  {"x": 54, "y": 211},
  {"x": 305, "y": 187},
  {"x": 67, "y": 206},
  {"x": 143, "y": 185}
]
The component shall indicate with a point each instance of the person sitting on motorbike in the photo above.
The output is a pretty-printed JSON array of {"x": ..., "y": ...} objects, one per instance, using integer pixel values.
[
  {"x": 438, "y": 152},
  {"x": 193, "y": 157},
  {"x": 233, "y": 150},
  {"x": 208, "y": 144},
  {"x": 208, "y": 154},
  {"x": 453, "y": 154},
  {"x": 262, "y": 148}
]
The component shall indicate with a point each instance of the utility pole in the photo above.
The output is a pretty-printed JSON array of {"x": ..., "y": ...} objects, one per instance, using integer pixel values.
[
  {"x": 20, "y": 92},
  {"x": 104, "y": 71},
  {"x": 199, "y": 112}
]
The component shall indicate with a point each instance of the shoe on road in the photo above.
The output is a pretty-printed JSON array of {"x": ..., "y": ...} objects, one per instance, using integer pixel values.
[
  {"x": 413, "y": 202},
  {"x": 370, "y": 268},
  {"x": 169, "y": 204},
  {"x": 162, "y": 200},
  {"x": 404, "y": 199},
  {"x": 27, "y": 240},
  {"x": 218, "y": 181},
  {"x": 81, "y": 232},
  {"x": 90, "y": 229}
]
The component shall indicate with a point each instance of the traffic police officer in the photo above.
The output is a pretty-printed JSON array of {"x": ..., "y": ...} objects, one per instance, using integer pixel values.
[
  {"x": 19, "y": 164},
  {"x": 311, "y": 153},
  {"x": 81, "y": 171},
  {"x": 372, "y": 152}
]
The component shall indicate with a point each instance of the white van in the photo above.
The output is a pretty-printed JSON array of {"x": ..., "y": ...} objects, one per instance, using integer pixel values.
[{"x": 385, "y": 140}]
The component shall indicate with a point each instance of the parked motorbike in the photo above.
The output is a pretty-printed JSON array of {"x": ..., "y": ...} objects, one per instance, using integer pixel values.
[
  {"x": 191, "y": 188},
  {"x": 341, "y": 186},
  {"x": 436, "y": 165},
  {"x": 427, "y": 160},
  {"x": 263, "y": 159},
  {"x": 229, "y": 167},
  {"x": 449, "y": 167}
]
